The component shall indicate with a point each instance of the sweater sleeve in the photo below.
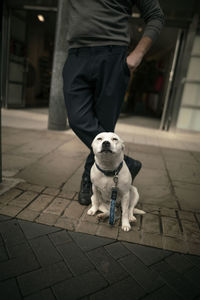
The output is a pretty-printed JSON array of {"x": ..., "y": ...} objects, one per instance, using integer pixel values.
[{"x": 153, "y": 17}]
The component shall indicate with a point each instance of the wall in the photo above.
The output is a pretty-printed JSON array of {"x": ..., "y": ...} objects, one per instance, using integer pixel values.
[{"x": 189, "y": 114}]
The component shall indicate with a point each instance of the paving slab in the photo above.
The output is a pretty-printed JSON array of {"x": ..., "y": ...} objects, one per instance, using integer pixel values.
[
  {"x": 151, "y": 176},
  {"x": 75, "y": 259},
  {"x": 41, "y": 295},
  {"x": 60, "y": 237},
  {"x": 149, "y": 161},
  {"x": 188, "y": 195},
  {"x": 80, "y": 286},
  {"x": 52, "y": 170},
  {"x": 125, "y": 289},
  {"x": 117, "y": 250},
  {"x": 171, "y": 227},
  {"x": 32, "y": 230},
  {"x": 175, "y": 156},
  {"x": 47, "y": 218},
  {"x": 43, "y": 277},
  {"x": 106, "y": 265},
  {"x": 37, "y": 147},
  {"x": 148, "y": 255},
  {"x": 147, "y": 278},
  {"x": 7, "y": 192},
  {"x": 17, "y": 162},
  {"x": 73, "y": 183},
  {"x": 184, "y": 171},
  {"x": 176, "y": 281},
  {"x": 9, "y": 289}
]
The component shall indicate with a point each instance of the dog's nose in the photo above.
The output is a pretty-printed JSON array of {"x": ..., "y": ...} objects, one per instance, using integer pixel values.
[{"x": 106, "y": 144}]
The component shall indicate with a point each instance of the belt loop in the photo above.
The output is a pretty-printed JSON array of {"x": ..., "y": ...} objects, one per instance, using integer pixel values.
[
  {"x": 110, "y": 48},
  {"x": 77, "y": 51}
]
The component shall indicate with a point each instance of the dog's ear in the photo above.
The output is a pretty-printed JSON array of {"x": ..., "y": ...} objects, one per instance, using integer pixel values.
[{"x": 92, "y": 145}]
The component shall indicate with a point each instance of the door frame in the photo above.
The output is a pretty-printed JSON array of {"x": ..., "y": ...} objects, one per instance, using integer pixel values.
[
  {"x": 184, "y": 56},
  {"x": 171, "y": 81}
]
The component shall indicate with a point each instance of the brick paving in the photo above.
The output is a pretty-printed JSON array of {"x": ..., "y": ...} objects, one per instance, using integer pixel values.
[
  {"x": 46, "y": 262},
  {"x": 167, "y": 228},
  {"x": 168, "y": 184}
]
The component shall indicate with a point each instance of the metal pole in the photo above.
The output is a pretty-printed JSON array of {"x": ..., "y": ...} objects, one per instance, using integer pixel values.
[
  {"x": 171, "y": 76},
  {"x": 1, "y": 33}
]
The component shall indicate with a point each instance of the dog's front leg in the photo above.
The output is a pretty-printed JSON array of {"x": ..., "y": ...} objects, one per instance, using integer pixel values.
[
  {"x": 95, "y": 202},
  {"x": 125, "y": 212}
]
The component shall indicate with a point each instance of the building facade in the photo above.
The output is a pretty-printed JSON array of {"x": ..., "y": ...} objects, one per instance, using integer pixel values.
[{"x": 166, "y": 87}]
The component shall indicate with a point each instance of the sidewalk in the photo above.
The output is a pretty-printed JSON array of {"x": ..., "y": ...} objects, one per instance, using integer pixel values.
[
  {"x": 40, "y": 262},
  {"x": 45, "y": 168}
]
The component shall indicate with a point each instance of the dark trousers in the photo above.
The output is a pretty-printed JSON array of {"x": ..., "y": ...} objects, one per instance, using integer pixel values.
[{"x": 95, "y": 82}]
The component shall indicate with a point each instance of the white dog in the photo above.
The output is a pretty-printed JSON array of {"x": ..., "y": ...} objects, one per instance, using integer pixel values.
[{"x": 108, "y": 149}]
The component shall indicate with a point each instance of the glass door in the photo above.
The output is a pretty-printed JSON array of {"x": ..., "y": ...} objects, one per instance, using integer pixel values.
[{"x": 16, "y": 70}]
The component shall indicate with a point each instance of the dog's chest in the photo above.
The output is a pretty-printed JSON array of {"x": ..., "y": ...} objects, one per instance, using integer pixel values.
[{"x": 105, "y": 185}]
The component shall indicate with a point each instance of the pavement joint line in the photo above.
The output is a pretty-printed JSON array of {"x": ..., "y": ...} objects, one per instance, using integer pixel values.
[
  {"x": 17, "y": 283},
  {"x": 192, "y": 153},
  {"x": 62, "y": 184},
  {"x": 160, "y": 222},
  {"x": 62, "y": 213},
  {"x": 171, "y": 184},
  {"x": 138, "y": 282},
  {"x": 140, "y": 223},
  {"x": 179, "y": 221},
  {"x": 198, "y": 223}
]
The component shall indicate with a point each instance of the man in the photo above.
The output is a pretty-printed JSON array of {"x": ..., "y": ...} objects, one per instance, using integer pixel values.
[{"x": 98, "y": 68}]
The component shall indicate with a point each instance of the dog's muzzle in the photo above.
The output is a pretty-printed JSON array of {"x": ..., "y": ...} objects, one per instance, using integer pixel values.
[{"x": 106, "y": 147}]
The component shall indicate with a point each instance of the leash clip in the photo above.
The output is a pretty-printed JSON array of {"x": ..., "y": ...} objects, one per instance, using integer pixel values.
[{"x": 115, "y": 179}]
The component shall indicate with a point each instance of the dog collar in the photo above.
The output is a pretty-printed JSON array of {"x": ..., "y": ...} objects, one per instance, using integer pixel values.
[{"x": 110, "y": 172}]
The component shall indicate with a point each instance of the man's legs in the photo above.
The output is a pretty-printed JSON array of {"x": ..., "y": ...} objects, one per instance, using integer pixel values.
[
  {"x": 111, "y": 86},
  {"x": 95, "y": 81}
]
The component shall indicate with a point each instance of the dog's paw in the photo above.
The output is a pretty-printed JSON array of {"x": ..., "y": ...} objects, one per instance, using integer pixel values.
[
  {"x": 126, "y": 227},
  {"x": 132, "y": 219},
  {"x": 91, "y": 212},
  {"x": 102, "y": 216}
]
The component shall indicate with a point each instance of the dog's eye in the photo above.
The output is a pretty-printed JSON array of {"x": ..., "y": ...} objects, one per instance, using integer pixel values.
[
  {"x": 99, "y": 139},
  {"x": 114, "y": 139}
]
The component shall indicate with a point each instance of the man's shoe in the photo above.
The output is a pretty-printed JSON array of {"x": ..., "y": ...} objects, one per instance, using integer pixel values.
[
  {"x": 133, "y": 165},
  {"x": 84, "y": 197}
]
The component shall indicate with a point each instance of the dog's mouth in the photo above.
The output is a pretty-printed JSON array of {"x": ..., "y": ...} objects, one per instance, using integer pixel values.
[{"x": 106, "y": 151}]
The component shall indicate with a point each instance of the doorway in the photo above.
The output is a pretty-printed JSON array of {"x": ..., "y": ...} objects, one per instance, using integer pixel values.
[
  {"x": 146, "y": 95},
  {"x": 30, "y": 46}
]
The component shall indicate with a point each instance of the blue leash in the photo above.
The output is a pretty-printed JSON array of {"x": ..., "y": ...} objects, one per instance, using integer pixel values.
[
  {"x": 114, "y": 189},
  {"x": 113, "y": 201}
]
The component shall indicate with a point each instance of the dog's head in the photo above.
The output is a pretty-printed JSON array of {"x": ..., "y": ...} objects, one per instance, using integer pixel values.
[{"x": 107, "y": 143}]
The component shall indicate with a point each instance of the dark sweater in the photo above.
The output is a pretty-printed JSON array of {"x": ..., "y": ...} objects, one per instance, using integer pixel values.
[{"x": 105, "y": 22}]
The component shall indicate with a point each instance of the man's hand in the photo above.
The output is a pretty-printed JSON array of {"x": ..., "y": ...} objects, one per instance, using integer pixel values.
[
  {"x": 135, "y": 57},
  {"x": 133, "y": 60}
]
